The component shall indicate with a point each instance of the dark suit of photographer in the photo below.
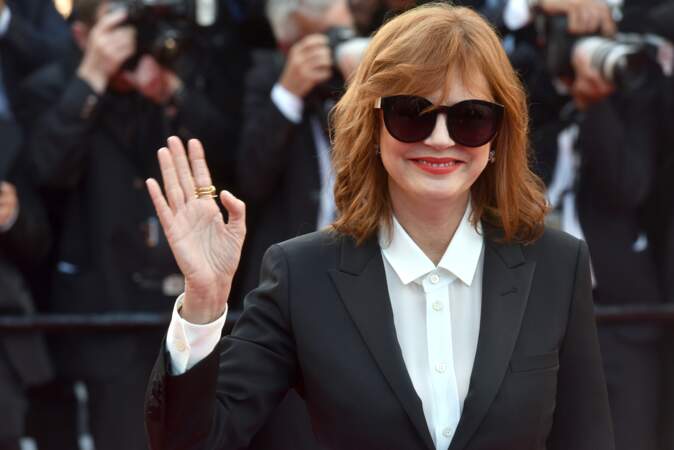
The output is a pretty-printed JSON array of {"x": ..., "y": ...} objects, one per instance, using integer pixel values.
[
  {"x": 24, "y": 241},
  {"x": 619, "y": 149},
  {"x": 95, "y": 128},
  {"x": 664, "y": 238},
  {"x": 664, "y": 206},
  {"x": 283, "y": 166}
]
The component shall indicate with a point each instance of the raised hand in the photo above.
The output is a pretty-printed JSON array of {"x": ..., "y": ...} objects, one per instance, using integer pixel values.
[
  {"x": 109, "y": 44},
  {"x": 309, "y": 63},
  {"x": 206, "y": 248}
]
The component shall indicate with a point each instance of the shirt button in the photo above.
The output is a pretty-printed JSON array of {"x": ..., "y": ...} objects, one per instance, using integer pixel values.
[
  {"x": 437, "y": 306},
  {"x": 447, "y": 432},
  {"x": 434, "y": 278},
  {"x": 180, "y": 346},
  {"x": 440, "y": 367}
]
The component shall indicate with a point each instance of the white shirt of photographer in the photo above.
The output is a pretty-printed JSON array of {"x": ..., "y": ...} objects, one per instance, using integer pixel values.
[{"x": 436, "y": 313}]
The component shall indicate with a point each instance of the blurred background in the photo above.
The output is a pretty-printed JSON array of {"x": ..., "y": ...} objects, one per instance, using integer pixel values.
[{"x": 90, "y": 89}]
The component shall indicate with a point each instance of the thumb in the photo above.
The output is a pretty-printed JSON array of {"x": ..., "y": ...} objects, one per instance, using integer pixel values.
[{"x": 236, "y": 209}]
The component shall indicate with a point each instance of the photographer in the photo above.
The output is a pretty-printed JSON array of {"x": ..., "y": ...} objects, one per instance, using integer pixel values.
[
  {"x": 283, "y": 168},
  {"x": 613, "y": 148},
  {"x": 284, "y": 154},
  {"x": 94, "y": 117}
]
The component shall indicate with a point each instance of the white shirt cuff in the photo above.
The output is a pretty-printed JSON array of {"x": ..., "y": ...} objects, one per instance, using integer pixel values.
[
  {"x": 12, "y": 220},
  {"x": 189, "y": 343},
  {"x": 290, "y": 105},
  {"x": 5, "y": 17},
  {"x": 516, "y": 14}
]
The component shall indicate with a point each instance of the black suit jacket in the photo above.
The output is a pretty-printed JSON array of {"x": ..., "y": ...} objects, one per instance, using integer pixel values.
[
  {"x": 321, "y": 321},
  {"x": 619, "y": 149}
]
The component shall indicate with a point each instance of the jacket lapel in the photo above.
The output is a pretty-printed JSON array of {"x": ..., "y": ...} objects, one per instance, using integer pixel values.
[
  {"x": 505, "y": 290},
  {"x": 361, "y": 283}
]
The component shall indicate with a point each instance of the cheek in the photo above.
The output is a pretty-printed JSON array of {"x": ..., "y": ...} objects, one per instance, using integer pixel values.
[
  {"x": 480, "y": 158},
  {"x": 391, "y": 153}
]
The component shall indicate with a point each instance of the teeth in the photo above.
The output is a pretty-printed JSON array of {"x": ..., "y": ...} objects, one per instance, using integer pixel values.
[{"x": 445, "y": 165}]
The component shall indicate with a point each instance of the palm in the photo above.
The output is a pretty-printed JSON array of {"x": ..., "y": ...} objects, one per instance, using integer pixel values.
[{"x": 206, "y": 248}]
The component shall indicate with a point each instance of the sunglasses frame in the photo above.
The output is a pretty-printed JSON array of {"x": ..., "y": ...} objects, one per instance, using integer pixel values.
[{"x": 435, "y": 110}]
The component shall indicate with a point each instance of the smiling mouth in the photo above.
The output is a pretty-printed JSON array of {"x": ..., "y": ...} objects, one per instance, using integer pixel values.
[
  {"x": 447, "y": 164},
  {"x": 437, "y": 166}
]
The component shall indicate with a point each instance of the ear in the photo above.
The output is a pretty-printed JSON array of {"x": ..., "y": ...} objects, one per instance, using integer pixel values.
[{"x": 80, "y": 33}]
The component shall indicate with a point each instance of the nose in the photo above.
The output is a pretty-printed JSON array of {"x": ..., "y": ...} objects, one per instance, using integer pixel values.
[{"x": 439, "y": 138}]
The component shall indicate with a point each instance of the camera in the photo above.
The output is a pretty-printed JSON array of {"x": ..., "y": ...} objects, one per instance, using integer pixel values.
[
  {"x": 629, "y": 60},
  {"x": 166, "y": 28},
  {"x": 333, "y": 87},
  {"x": 343, "y": 44}
]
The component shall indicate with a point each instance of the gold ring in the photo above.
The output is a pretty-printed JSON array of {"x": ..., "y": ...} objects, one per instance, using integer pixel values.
[{"x": 205, "y": 192}]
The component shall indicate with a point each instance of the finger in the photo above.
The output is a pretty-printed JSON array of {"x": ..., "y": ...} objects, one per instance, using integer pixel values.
[
  {"x": 174, "y": 193},
  {"x": 313, "y": 40},
  {"x": 182, "y": 165},
  {"x": 112, "y": 19},
  {"x": 590, "y": 21},
  {"x": 119, "y": 50},
  {"x": 317, "y": 52},
  {"x": 320, "y": 75},
  {"x": 162, "y": 208},
  {"x": 236, "y": 209},
  {"x": 202, "y": 176},
  {"x": 608, "y": 27},
  {"x": 318, "y": 59},
  {"x": 124, "y": 32}
]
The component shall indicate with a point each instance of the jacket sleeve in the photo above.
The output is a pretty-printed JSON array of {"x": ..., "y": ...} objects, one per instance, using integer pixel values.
[
  {"x": 582, "y": 419},
  {"x": 619, "y": 150},
  {"x": 229, "y": 394},
  {"x": 57, "y": 153}
]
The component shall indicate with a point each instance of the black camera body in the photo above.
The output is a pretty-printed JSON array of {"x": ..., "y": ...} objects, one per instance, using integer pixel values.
[
  {"x": 166, "y": 28},
  {"x": 628, "y": 61}
]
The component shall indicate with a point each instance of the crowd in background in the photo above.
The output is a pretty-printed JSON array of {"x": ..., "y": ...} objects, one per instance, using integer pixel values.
[{"x": 86, "y": 102}]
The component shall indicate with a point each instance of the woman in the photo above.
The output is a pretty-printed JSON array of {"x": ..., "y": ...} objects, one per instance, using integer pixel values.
[{"x": 437, "y": 313}]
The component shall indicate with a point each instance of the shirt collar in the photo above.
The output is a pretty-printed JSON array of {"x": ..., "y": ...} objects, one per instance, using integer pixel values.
[{"x": 410, "y": 263}]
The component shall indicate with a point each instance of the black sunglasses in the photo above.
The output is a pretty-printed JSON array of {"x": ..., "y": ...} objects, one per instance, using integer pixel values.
[{"x": 471, "y": 123}]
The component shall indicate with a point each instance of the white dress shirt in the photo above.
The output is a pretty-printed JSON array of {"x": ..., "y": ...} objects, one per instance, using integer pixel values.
[{"x": 436, "y": 313}]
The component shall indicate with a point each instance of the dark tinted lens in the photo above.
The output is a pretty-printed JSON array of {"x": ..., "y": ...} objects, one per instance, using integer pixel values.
[
  {"x": 404, "y": 119},
  {"x": 473, "y": 123}
]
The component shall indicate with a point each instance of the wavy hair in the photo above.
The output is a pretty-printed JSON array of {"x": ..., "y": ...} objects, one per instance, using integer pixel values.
[{"x": 415, "y": 54}]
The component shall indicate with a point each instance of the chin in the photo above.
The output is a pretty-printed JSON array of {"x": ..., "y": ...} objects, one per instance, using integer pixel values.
[{"x": 442, "y": 195}]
